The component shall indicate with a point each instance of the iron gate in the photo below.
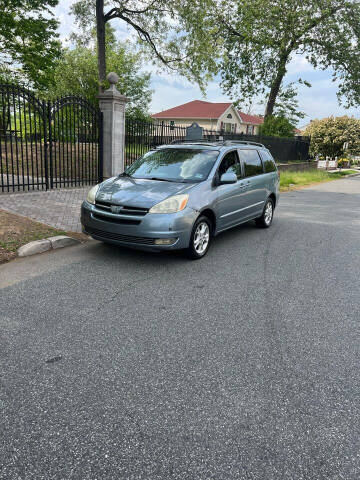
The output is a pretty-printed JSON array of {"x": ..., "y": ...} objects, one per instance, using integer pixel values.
[{"x": 47, "y": 145}]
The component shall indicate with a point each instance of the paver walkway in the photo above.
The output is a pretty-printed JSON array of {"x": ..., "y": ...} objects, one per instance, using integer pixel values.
[{"x": 58, "y": 208}]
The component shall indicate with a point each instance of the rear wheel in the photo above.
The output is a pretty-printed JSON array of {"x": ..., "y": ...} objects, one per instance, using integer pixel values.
[
  {"x": 200, "y": 238},
  {"x": 267, "y": 216}
]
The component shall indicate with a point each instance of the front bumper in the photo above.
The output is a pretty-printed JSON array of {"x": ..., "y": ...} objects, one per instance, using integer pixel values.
[{"x": 139, "y": 231}]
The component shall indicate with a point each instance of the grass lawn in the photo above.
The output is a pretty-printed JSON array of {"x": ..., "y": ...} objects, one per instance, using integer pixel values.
[
  {"x": 16, "y": 231},
  {"x": 289, "y": 180}
]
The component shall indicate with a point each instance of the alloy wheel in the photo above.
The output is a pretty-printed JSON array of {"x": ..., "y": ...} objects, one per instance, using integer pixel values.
[
  {"x": 268, "y": 214},
  {"x": 201, "y": 238}
]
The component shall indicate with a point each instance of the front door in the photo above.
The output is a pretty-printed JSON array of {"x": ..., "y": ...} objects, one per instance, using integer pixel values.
[{"x": 230, "y": 197}]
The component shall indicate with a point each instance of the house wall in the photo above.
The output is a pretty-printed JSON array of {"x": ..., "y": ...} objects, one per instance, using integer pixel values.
[
  {"x": 208, "y": 124},
  {"x": 255, "y": 130},
  {"x": 231, "y": 124}
]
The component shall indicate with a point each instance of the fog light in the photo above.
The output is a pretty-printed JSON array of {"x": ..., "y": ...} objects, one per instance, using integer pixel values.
[{"x": 164, "y": 241}]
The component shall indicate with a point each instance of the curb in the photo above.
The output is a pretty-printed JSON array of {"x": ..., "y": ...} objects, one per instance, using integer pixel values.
[
  {"x": 351, "y": 175},
  {"x": 50, "y": 243}
]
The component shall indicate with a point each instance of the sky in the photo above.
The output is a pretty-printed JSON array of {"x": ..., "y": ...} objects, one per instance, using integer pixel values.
[{"x": 171, "y": 90}]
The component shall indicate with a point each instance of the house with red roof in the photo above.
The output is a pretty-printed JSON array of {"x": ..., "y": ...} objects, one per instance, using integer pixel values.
[{"x": 211, "y": 116}]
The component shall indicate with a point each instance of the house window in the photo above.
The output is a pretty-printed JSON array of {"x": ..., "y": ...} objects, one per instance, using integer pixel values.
[{"x": 250, "y": 130}]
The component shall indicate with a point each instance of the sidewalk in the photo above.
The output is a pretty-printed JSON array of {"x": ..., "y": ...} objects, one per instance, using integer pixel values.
[{"x": 57, "y": 208}]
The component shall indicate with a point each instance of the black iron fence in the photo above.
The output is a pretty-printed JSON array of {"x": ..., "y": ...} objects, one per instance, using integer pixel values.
[
  {"x": 284, "y": 150},
  {"x": 142, "y": 136},
  {"x": 47, "y": 144}
]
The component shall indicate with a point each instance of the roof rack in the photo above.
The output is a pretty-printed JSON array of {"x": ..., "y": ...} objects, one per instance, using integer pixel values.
[
  {"x": 243, "y": 142},
  {"x": 201, "y": 141},
  {"x": 218, "y": 142}
]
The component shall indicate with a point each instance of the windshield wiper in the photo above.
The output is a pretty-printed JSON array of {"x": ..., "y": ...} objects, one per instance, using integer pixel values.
[
  {"x": 124, "y": 174},
  {"x": 161, "y": 179}
]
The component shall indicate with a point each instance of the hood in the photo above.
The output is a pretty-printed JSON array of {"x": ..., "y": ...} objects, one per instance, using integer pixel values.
[{"x": 138, "y": 192}]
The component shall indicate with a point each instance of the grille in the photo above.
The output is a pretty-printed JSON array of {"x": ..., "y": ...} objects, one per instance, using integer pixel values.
[
  {"x": 119, "y": 237},
  {"x": 119, "y": 221},
  {"x": 125, "y": 210}
]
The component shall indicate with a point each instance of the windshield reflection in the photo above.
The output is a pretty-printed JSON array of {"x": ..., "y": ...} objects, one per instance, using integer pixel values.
[{"x": 174, "y": 164}]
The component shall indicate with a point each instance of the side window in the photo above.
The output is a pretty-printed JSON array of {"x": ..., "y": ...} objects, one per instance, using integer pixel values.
[
  {"x": 269, "y": 162},
  {"x": 252, "y": 162},
  {"x": 230, "y": 163}
]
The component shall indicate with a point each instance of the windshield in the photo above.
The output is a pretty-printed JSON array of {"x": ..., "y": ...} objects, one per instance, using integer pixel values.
[{"x": 174, "y": 164}]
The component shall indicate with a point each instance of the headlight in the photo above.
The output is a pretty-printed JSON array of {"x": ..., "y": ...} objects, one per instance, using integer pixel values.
[
  {"x": 171, "y": 204},
  {"x": 92, "y": 194}
]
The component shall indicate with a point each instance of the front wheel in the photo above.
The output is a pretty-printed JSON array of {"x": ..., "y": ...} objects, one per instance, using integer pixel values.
[
  {"x": 200, "y": 238},
  {"x": 267, "y": 216}
]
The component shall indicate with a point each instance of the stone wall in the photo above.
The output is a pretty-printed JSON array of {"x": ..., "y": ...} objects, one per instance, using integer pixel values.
[{"x": 296, "y": 167}]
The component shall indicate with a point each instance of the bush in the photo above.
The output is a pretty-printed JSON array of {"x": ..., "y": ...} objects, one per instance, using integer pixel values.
[
  {"x": 329, "y": 135},
  {"x": 277, "y": 127},
  {"x": 343, "y": 162}
]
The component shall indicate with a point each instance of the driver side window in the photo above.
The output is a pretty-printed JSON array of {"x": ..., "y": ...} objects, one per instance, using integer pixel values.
[{"x": 230, "y": 163}]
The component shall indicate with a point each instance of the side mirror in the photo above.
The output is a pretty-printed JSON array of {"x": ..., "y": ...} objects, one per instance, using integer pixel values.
[{"x": 228, "y": 178}]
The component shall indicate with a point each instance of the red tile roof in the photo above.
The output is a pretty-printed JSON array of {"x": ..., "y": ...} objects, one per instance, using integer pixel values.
[
  {"x": 252, "y": 119},
  {"x": 202, "y": 109},
  {"x": 195, "y": 109}
]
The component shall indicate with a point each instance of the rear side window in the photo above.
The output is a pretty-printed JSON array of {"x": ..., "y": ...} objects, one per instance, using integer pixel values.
[
  {"x": 252, "y": 162},
  {"x": 269, "y": 162}
]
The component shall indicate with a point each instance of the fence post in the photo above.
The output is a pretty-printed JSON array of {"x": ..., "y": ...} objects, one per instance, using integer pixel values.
[
  {"x": 162, "y": 132},
  {"x": 45, "y": 119},
  {"x": 112, "y": 105},
  {"x": 50, "y": 146}
]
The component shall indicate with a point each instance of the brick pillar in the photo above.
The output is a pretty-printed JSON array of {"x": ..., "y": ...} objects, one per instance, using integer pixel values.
[{"x": 112, "y": 104}]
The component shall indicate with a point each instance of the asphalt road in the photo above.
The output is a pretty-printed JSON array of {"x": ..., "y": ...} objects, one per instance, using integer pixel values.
[{"x": 118, "y": 364}]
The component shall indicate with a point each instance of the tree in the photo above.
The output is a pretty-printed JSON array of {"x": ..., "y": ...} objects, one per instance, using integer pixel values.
[
  {"x": 287, "y": 104},
  {"x": 76, "y": 74},
  {"x": 277, "y": 127},
  {"x": 172, "y": 33},
  {"x": 260, "y": 37},
  {"x": 28, "y": 40},
  {"x": 329, "y": 135}
]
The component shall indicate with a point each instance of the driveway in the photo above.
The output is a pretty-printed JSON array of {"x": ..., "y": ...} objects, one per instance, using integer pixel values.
[{"x": 245, "y": 365}]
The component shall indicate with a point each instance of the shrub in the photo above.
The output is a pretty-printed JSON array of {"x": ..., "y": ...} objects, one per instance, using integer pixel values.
[
  {"x": 277, "y": 127},
  {"x": 343, "y": 162},
  {"x": 330, "y": 135}
]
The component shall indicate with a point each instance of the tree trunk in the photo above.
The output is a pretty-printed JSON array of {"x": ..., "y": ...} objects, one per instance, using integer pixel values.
[
  {"x": 100, "y": 33},
  {"x": 275, "y": 87}
]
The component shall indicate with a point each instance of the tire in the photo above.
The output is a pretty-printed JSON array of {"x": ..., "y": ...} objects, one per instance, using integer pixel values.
[
  {"x": 203, "y": 228},
  {"x": 267, "y": 216}
]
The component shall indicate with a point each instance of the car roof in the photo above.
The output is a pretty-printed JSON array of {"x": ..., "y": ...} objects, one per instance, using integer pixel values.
[{"x": 214, "y": 145}]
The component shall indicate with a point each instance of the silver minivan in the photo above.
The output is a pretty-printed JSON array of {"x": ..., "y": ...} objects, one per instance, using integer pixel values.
[{"x": 180, "y": 196}]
